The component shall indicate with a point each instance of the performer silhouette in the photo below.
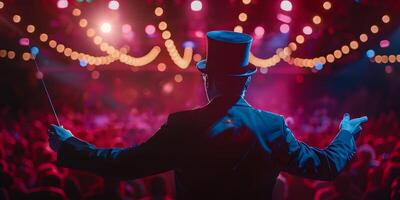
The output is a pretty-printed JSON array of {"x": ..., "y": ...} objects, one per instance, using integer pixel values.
[{"x": 224, "y": 150}]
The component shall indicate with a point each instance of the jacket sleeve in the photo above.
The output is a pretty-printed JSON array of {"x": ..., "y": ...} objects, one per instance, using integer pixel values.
[
  {"x": 299, "y": 159},
  {"x": 156, "y": 155}
]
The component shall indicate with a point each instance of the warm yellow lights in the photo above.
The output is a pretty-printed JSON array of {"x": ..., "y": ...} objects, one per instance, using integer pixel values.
[
  {"x": 162, "y": 26},
  {"x": 330, "y": 58},
  {"x": 90, "y": 32},
  {"x": 16, "y": 18},
  {"x": 374, "y": 29},
  {"x": 337, "y": 54},
  {"x": 316, "y": 19},
  {"x": 11, "y": 55},
  {"x": 158, "y": 11},
  {"x": 196, "y": 57},
  {"x": 178, "y": 78},
  {"x": 246, "y": 2},
  {"x": 345, "y": 49},
  {"x": 238, "y": 29},
  {"x": 161, "y": 67},
  {"x": 354, "y": 45},
  {"x": 385, "y": 19},
  {"x": 300, "y": 39},
  {"x": 76, "y": 12},
  {"x": 363, "y": 37},
  {"x": 43, "y": 37},
  {"x": 52, "y": 43},
  {"x": 97, "y": 40},
  {"x": 242, "y": 17},
  {"x": 60, "y": 48},
  {"x": 292, "y": 46},
  {"x": 30, "y": 28},
  {"x": 83, "y": 23},
  {"x": 166, "y": 35},
  {"x": 327, "y": 5},
  {"x": 26, "y": 56}
]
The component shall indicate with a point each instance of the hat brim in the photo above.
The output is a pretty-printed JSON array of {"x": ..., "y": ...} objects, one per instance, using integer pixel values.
[{"x": 247, "y": 71}]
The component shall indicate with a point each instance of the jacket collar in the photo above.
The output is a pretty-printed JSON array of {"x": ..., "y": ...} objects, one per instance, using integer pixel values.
[{"x": 229, "y": 101}]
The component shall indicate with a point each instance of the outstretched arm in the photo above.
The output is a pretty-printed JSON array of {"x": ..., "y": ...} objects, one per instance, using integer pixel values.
[
  {"x": 300, "y": 159},
  {"x": 154, "y": 156}
]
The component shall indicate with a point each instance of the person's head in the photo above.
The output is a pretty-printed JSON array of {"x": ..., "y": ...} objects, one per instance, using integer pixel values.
[
  {"x": 225, "y": 85},
  {"x": 226, "y": 70}
]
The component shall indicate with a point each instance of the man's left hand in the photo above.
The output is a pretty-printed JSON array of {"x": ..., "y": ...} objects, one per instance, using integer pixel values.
[{"x": 57, "y": 135}]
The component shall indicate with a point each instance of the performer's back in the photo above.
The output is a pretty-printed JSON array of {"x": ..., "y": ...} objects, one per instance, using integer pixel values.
[{"x": 223, "y": 153}]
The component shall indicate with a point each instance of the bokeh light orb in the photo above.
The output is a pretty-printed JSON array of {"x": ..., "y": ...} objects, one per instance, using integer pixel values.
[
  {"x": 16, "y": 18},
  {"x": 95, "y": 74},
  {"x": 317, "y": 19},
  {"x": 62, "y": 4},
  {"x": 161, "y": 67},
  {"x": 113, "y": 5},
  {"x": 126, "y": 28},
  {"x": 388, "y": 69},
  {"x": 307, "y": 30},
  {"x": 327, "y": 5},
  {"x": 286, "y": 5},
  {"x": 242, "y": 17},
  {"x": 105, "y": 27},
  {"x": 1, "y": 5},
  {"x": 30, "y": 28},
  {"x": 238, "y": 29},
  {"x": 188, "y": 44},
  {"x": 363, "y": 37},
  {"x": 150, "y": 29},
  {"x": 384, "y": 43},
  {"x": 259, "y": 31},
  {"x": 385, "y": 19},
  {"x": 178, "y": 78},
  {"x": 300, "y": 39},
  {"x": 196, "y": 5},
  {"x": 374, "y": 29},
  {"x": 284, "y": 28},
  {"x": 158, "y": 11},
  {"x": 370, "y": 53}
]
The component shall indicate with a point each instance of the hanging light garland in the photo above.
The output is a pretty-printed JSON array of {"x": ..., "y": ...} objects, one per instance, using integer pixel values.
[
  {"x": 122, "y": 54},
  {"x": 339, "y": 53},
  {"x": 181, "y": 61}
]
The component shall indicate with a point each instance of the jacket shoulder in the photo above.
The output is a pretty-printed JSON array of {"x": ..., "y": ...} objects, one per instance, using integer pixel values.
[{"x": 274, "y": 120}]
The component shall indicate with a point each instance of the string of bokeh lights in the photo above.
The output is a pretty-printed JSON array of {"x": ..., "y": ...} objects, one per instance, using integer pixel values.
[
  {"x": 318, "y": 62},
  {"x": 181, "y": 61},
  {"x": 285, "y": 52},
  {"x": 184, "y": 61},
  {"x": 122, "y": 54}
]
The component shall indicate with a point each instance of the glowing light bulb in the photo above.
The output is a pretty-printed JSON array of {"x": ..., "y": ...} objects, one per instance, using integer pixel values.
[
  {"x": 62, "y": 4},
  {"x": 150, "y": 29},
  {"x": 105, "y": 27},
  {"x": 286, "y": 5},
  {"x": 113, "y": 5},
  {"x": 307, "y": 30},
  {"x": 259, "y": 31},
  {"x": 196, "y": 5},
  {"x": 284, "y": 28}
]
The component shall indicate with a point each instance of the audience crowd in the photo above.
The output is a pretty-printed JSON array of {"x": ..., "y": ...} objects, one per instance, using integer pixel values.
[{"x": 28, "y": 167}]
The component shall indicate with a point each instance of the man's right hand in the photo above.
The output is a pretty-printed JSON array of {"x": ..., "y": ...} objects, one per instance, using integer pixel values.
[{"x": 352, "y": 125}]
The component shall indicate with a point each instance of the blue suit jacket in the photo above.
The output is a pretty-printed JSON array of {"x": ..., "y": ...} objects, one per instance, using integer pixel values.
[{"x": 225, "y": 150}]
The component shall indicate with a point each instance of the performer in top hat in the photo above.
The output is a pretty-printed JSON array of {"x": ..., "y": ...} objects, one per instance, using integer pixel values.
[{"x": 224, "y": 150}]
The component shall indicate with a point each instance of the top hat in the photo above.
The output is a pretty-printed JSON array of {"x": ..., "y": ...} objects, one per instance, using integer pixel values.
[{"x": 227, "y": 54}]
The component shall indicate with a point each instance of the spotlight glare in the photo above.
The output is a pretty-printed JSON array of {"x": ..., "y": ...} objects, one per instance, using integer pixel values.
[
  {"x": 62, "y": 4},
  {"x": 105, "y": 27},
  {"x": 113, "y": 5},
  {"x": 196, "y": 5},
  {"x": 286, "y": 5}
]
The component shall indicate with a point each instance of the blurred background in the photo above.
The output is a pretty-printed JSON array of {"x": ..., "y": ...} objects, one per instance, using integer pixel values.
[{"x": 116, "y": 69}]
